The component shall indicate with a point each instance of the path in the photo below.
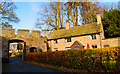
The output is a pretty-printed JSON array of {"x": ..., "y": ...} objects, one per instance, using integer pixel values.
[{"x": 16, "y": 65}]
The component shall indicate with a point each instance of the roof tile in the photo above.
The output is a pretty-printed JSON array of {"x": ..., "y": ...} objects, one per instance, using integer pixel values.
[{"x": 75, "y": 31}]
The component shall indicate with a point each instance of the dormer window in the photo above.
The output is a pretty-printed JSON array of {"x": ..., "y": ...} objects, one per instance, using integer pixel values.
[
  {"x": 56, "y": 41},
  {"x": 68, "y": 39},
  {"x": 93, "y": 36}
]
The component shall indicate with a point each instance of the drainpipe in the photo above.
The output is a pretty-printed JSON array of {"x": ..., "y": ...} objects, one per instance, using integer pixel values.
[{"x": 100, "y": 41}]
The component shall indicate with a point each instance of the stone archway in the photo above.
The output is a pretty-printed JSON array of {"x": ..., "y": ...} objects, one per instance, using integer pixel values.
[
  {"x": 8, "y": 36},
  {"x": 13, "y": 46},
  {"x": 33, "y": 49}
]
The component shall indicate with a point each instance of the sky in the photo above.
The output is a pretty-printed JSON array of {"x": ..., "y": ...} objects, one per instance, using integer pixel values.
[{"x": 27, "y": 13}]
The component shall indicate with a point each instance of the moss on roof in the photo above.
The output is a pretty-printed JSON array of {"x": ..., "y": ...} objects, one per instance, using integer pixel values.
[{"x": 75, "y": 31}]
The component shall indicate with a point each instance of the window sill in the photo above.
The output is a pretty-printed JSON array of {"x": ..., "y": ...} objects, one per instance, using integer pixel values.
[{"x": 67, "y": 42}]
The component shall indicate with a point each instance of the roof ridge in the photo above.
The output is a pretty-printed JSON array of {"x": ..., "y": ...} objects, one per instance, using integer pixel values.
[
  {"x": 75, "y": 31},
  {"x": 76, "y": 26},
  {"x": 85, "y": 24}
]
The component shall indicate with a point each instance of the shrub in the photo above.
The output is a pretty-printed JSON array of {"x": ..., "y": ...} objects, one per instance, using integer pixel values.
[{"x": 88, "y": 59}]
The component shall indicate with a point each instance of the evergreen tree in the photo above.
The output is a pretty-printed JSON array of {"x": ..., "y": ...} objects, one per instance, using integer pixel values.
[
  {"x": 20, "y": 46},
  {"x": 111, "y": 23}
]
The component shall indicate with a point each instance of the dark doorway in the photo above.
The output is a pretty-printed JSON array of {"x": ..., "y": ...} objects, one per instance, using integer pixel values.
[
  {"x": 77, "y": 45},
  {"x": 33, "y": 49}
]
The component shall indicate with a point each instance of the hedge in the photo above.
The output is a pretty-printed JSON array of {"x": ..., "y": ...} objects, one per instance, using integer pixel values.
[{"x": 104, "y": 59}]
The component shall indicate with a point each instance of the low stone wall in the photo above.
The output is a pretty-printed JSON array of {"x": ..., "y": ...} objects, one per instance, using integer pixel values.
[{"x": 112, "y": 42}]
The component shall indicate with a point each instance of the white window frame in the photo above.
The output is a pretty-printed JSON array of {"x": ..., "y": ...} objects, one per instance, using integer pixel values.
[
  {"x": 55, "y": 41},
  {"x": 93, "y": 37},
  {"x": 93, "y": 46},
  {"x": 67, "y": 48},
  {"x": 66, "y": 39}
]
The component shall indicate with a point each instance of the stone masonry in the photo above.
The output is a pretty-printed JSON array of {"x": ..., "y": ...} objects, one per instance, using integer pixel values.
[{"x": 32, "y": 40}]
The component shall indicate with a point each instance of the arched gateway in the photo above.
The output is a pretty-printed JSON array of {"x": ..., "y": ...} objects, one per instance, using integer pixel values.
[
  {"x": 22, "y": 37},
  {"x": 16, "y": 45}
]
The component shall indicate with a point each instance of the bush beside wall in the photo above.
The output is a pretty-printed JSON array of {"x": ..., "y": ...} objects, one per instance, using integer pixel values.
[{"x": 83, "y": 59}]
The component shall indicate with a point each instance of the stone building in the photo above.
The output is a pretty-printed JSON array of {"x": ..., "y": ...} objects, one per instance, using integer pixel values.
[
  {"x": 81, "y": 37},
  {"x": 78, "y": 37},
  {"x": 13, "y": 47},
  {"x": 33, "y": 40}
]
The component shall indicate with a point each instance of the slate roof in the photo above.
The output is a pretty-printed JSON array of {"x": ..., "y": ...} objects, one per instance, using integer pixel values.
[{"x": 76, "y": 31}]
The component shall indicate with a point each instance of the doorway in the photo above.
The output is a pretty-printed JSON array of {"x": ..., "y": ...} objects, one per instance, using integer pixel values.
[
  {"x": 33, "y": 49},
  {"x": 16, "y": 48}
]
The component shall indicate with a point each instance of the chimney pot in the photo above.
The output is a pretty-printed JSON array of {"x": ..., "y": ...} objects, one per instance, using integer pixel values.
[
  {"x": 67, "y": 24},
  {"x": 98, "y": 18}
]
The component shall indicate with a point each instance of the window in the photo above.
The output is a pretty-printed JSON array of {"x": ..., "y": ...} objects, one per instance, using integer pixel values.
[
  {"x": 55, "y": 49},
  {"x": 67, "y": 40},
  {"x": 106, "y": 45},
  {"x": 56, "y": 41},
  {"x": 67, "y": 48},
  {"x": 94, "y": 46},
  {"x": 93, "y": 36}
]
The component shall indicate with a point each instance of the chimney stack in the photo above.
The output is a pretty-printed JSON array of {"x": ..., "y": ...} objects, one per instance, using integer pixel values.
[
  {"x": 67, "y": 24},
  {"x": 101, "y": 25},
  {"x": 98, "y": 18}
]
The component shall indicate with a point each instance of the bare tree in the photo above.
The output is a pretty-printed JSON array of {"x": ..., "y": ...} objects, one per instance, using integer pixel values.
[
  {"x": 87, "y": 10},
  {"x": 7, "y": 14},
  {"x": 71, "y": 9},
  {"x": 52, "y": 17},
  {"x": 54, "y": 14}
]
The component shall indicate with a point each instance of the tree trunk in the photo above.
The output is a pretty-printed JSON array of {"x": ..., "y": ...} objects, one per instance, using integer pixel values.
[{"x": 58, "y": 15}]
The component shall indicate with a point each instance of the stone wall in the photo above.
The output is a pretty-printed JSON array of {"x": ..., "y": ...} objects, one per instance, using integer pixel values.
[
  {"x": 32, "y": 40},
  {"x": 86, "y": 39},
  {"x": 112, "y": 42},
  {"x": 23, "y": 33},
  {"x": 8, "y": 33}
]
